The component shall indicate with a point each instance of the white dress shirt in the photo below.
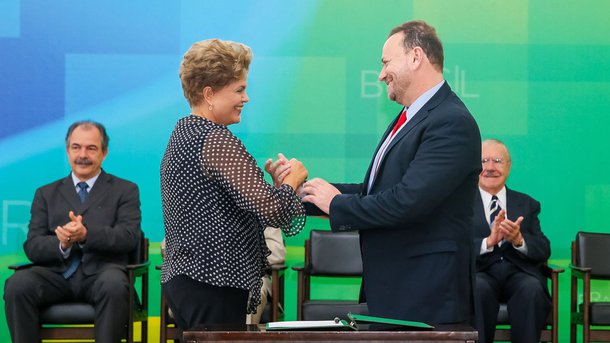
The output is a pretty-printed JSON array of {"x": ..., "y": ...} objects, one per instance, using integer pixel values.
[{"x": 486, "y": 197}]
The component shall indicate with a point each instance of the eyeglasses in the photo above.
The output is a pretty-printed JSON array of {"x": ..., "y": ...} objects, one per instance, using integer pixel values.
[{"x": 495, "y": 160}]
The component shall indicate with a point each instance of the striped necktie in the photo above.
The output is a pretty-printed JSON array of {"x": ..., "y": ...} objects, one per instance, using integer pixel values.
[{"x": 494, "y": 208}]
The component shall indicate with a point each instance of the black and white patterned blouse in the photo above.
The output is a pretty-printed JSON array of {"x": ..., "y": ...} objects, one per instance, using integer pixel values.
[{"x": 216, "y": 205}]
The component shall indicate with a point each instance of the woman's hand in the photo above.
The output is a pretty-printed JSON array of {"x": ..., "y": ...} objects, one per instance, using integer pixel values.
[
  {"x": 278, "y": 169},
  {"x": 298, "y": 174}
]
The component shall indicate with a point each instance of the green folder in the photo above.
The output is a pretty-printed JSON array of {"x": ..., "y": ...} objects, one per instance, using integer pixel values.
[
  {"x": 355, "y": 320},
  {"x": 361, "y": 318}
]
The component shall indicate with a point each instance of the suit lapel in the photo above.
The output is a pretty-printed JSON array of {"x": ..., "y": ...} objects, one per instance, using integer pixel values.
[
  {"x": 514, "y": 205},
  {"x": 423, "y": 112},
  {"x": 383, "y": 138},
  {"x": 68, "y": 192}
]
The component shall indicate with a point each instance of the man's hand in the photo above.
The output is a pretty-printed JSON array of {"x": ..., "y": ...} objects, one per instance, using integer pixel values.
[
  {"x": 73, "y": 232},
  {"x": 511, "y": 231},
  {"x": 320, "y": 193},
  {"x": 496, "y": 235},
  {"x": 278, "y": 169},
  {"x": 64, "y": 237},
  {"x": 79, "y": 231}
]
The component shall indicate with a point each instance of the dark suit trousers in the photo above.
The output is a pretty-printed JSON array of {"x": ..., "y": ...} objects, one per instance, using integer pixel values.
[
  {"x": 528, "y": 303},
  {"x": 26, "y": 291}
]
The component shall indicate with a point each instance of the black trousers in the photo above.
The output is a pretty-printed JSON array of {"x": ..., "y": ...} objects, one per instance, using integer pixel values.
[
  {"x": 29, "y": 290},
  {"x": 527, "y": 301},
  {"x": 195, "y": 303}
]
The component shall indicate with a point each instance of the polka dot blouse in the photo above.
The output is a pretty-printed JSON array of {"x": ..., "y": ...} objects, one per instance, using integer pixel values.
[{"x": 216, "y": 205}]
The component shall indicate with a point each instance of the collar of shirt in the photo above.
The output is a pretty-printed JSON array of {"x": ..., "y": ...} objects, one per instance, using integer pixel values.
[
  {"x": 486, "y": 197},
  {"x": 421, "y": 101},
  {"x": 90, "y": 182}
]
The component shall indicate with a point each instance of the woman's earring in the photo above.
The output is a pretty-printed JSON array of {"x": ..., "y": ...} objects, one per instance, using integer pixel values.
[{"x": 210, "y": 107}]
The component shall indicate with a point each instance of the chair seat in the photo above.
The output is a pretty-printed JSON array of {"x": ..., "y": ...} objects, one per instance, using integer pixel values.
[
  {"x": 68, "y": 313},
  {"x": 75, "y": 320},
  {"x": 599, "y": 313},
  {"x": 329, "y": 309},
  {"x": 81, "y": 313},
  {"x": 503, "y": 316}
]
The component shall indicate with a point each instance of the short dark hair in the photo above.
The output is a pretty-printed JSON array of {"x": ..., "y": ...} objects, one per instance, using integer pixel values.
[
  {"x": 89, "y": 124},
  {"x": 419, "y": 33}
]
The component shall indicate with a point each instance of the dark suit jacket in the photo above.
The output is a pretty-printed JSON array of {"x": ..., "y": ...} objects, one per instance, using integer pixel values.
[
  {"x": 415, "y": 222},
  {"x": 538, "y": 246},
  {"x": 111, "y": 215}
]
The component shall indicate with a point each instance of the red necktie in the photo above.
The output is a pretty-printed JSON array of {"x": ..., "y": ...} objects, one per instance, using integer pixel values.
[{"x": 401, "y": 120}]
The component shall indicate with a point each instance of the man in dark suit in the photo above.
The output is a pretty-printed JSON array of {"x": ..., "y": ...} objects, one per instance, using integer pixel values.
[
  {"x": 81, "y": 231},
  {"x": 414, "y": 207},
  {"x": 510, "y": 248}
]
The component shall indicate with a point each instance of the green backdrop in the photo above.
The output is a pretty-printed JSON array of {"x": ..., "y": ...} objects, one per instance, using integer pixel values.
[{"x": 535, "y": 74}]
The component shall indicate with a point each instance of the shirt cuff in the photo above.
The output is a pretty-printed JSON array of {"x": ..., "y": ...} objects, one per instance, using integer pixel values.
[
  {"x": 65, "y": 254},
  {"x": 522, "y": 249},
  {"x": 484, "y": 249}
]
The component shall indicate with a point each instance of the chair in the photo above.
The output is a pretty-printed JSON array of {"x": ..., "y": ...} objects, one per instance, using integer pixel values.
[
  {"x": 328, "y": 254},
  {"x": 590, "y": 261},
  {"x": 274, "y": 310},
  {"x": 167, "y": 325},
  {"x": 74, "y": 320},
  {"x": 550, "y": 332}
]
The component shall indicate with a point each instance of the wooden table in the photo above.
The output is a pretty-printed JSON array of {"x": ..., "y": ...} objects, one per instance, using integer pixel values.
[{"x": 258, "y": 333}]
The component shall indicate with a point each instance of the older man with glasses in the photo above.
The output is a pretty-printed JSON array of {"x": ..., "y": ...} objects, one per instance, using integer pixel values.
[{"x": 511, "y": 247}]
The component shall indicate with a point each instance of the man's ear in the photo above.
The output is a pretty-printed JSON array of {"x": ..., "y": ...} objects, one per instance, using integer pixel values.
[{"x": 417, "y": 57}]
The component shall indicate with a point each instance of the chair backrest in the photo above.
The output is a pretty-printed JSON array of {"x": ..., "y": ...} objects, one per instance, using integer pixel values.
[
  {"x": 334, "y": 254},
  {"x": 592, "y": 252},
  {"x": 140, "y": 253}
]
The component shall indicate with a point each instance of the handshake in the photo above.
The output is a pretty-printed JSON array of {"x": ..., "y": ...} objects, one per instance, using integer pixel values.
[
  {"x": 283, "y": 171},
  {"x": 293, "y": 173}
]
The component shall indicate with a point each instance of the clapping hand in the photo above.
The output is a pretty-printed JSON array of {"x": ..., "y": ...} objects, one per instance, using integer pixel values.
[
  {"x": 511, "y": 231},
  {"x": 496, "y": 235},
  {"x": 72, "y": 232}
]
